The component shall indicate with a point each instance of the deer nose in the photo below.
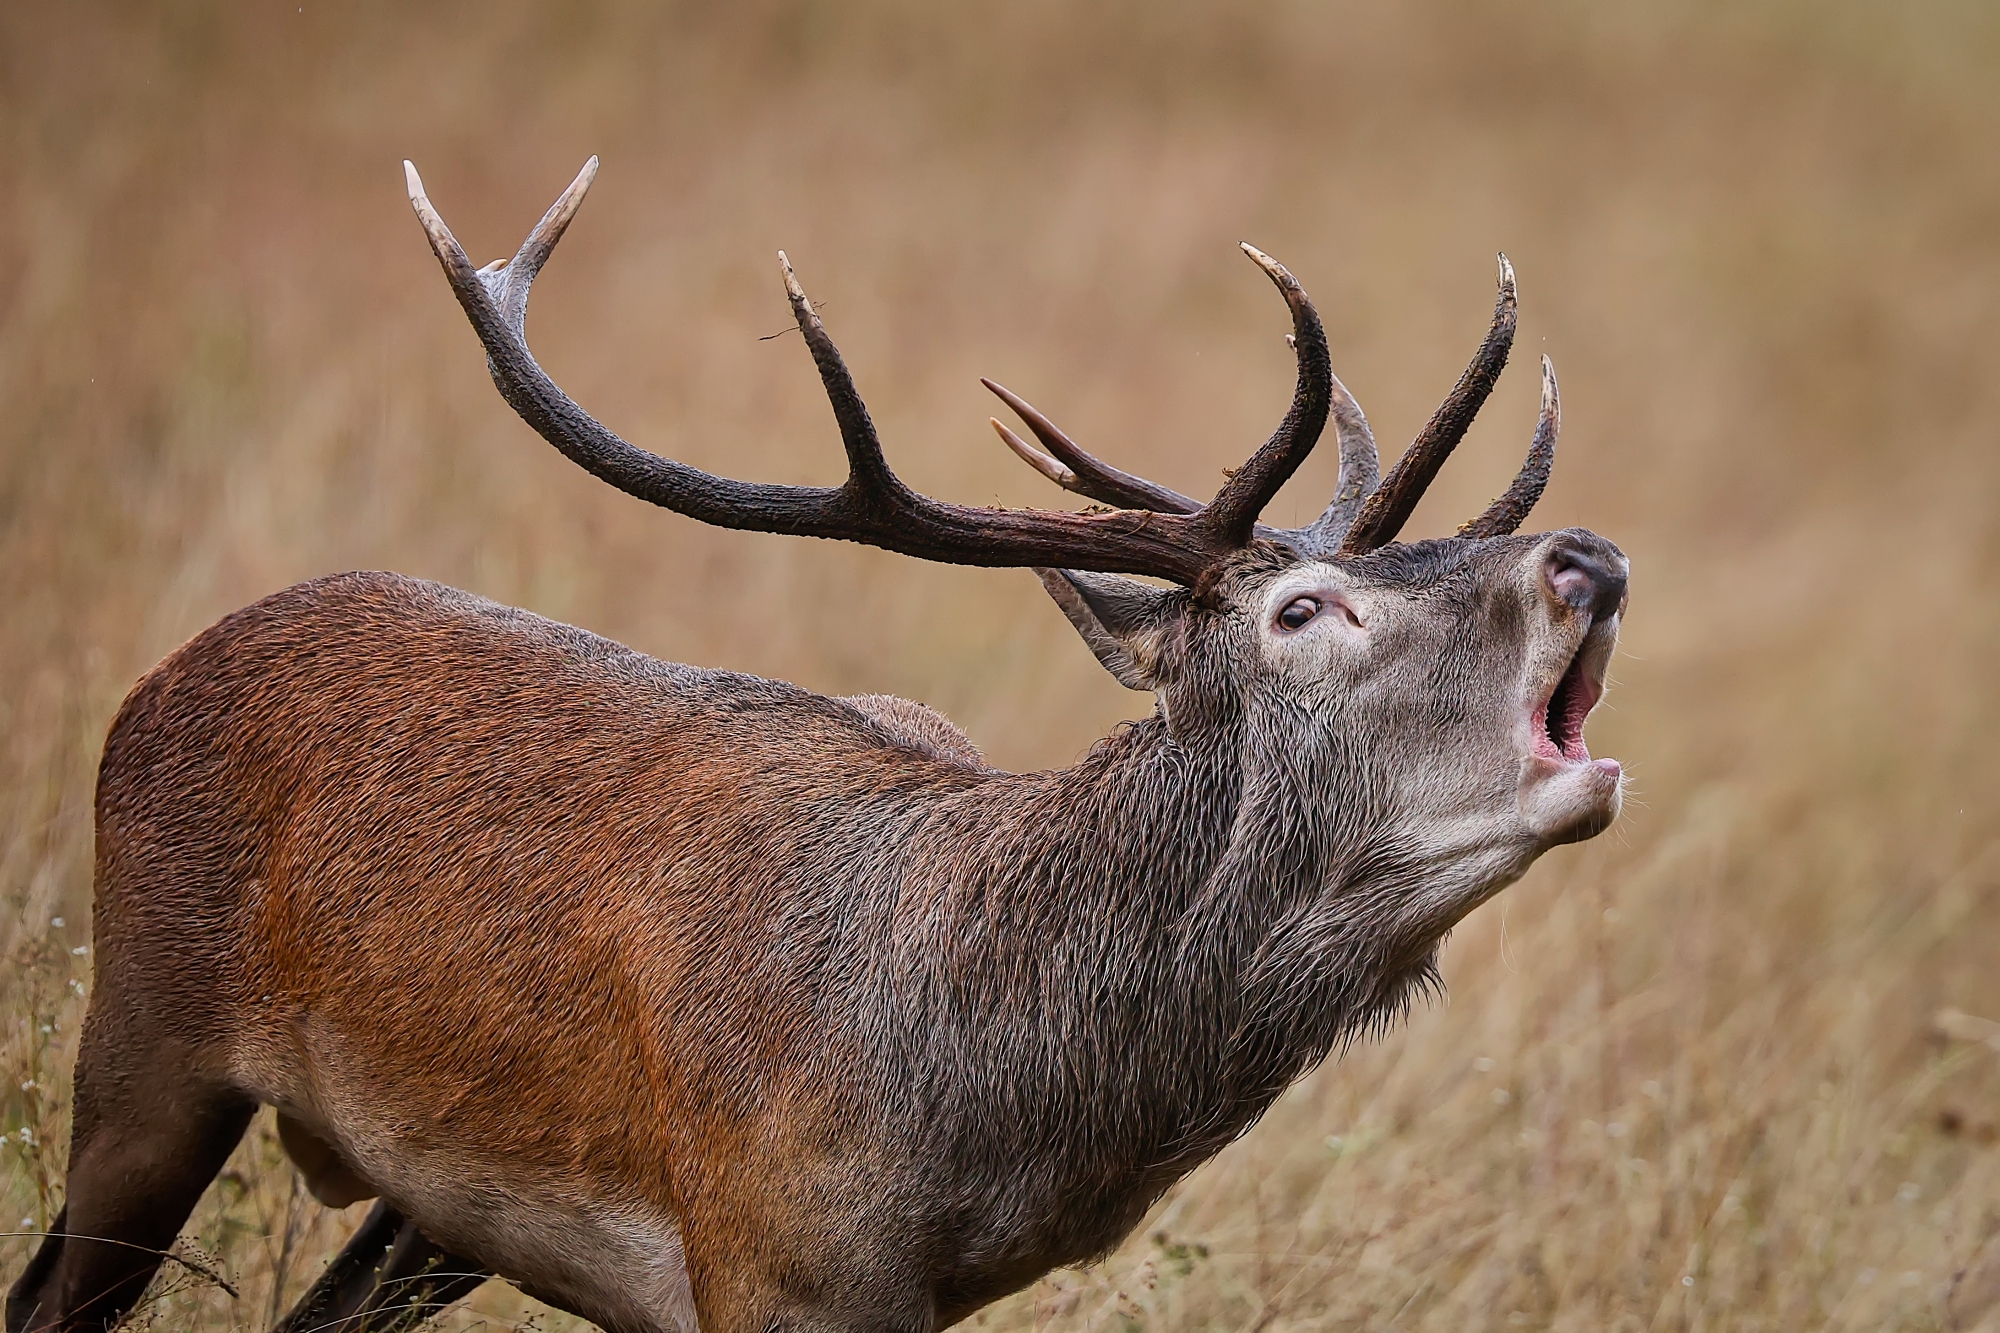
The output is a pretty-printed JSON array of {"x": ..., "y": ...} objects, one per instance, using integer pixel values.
[{"x": 1588, "y": 576}]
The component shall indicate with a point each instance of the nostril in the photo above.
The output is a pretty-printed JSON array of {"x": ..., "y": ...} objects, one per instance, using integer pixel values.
[
  {"x": 1585, "y": 584},
  {"x": 1569, "y": 580}
]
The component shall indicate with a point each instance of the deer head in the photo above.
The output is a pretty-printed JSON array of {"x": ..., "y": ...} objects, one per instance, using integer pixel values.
[{"x": 1440, "y": 686}]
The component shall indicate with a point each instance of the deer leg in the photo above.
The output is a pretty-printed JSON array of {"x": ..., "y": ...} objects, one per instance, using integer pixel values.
[
  {"x": 24, "y": 1301},
  {"x": 389, "y": 1278},
  {"x": 139, "y": 1162}
]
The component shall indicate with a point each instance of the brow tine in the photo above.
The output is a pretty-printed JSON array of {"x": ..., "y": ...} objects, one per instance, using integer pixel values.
[
  {"x": 1034, "y": 457},
  {"x": 1092, "y": 475}
]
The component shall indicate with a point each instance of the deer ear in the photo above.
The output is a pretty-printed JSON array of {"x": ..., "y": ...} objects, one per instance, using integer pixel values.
[{"x": 1116, "y": 617}]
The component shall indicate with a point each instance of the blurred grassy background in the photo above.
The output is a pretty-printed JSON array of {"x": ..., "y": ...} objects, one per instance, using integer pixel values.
[{"x": 1692, "y": 1075}]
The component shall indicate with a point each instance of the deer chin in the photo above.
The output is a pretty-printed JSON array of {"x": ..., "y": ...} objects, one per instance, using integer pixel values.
[{"x": 1565, "y": 795}]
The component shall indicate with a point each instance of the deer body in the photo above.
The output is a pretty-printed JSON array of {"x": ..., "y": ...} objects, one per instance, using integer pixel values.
[
  {"x": 937, "y": 986},
  {"x": 692, "y": 1001}
]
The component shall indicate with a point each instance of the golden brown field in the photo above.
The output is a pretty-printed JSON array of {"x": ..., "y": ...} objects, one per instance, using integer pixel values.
[{"x": 1691, "y": 1076}]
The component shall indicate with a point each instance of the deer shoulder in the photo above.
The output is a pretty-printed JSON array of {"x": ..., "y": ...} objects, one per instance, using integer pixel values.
[{"x": 921, "y": 728}]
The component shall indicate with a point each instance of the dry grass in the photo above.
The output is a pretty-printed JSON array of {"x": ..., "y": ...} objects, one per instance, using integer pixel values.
[{"x": 1690, "y": 1076}]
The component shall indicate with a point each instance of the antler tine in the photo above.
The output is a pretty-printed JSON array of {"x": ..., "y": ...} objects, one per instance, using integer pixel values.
[
  {"x": 1506, "y": 514},
  {"x": 1084, "y": 473},
  {"x": 1383, "y": 516},
  {"x": 495, "y": 300},
  {"x": 1089, "y": 475},
  {"x": 872, "y": 506},
  {"x": 868, "y": 470},
  {"x": 506, "y": 282},
  {"x": 1035, "y": 458},
  {"x": 1232, "y": 514},
  {"x": 1360, "y": 462},
  {"x": 1360, "y": 474}
]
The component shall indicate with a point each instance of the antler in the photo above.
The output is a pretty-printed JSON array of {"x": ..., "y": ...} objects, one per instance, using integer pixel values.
[
  {"x": 1505, "y": 514},
  {"x": 873, "y": 506},
  {"x": 1383, "y": 516},
  {"x": 1086, "y": 474},
  {"x": 1083, "y": 474},
  {"x": 1362, "y": 515},
  {"x": 1319, "y": 394},
  {"x": 1251, "y": 486}
]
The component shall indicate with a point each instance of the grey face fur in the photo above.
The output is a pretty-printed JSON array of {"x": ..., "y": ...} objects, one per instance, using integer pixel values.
[{"x": 1419, "y": 691}]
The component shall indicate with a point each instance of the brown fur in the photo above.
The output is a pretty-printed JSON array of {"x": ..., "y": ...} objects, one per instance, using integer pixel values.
[{"x": 919, "y": 727}]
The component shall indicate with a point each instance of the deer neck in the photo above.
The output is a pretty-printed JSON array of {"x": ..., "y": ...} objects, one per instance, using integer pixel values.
[
  {"x": 1149, "y": 947},
  {"x": 1289, "y": 939}
]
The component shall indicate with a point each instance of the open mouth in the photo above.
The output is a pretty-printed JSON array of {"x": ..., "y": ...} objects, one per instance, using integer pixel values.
[{"x": 1558, "y": 723}]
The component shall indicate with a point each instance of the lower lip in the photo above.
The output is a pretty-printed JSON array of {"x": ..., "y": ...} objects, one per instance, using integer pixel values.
[{"x": 1555, "y": 763}]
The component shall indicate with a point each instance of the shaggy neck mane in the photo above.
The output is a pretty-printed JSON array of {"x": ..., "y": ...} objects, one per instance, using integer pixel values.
[{"x": 1121, "y": 965}]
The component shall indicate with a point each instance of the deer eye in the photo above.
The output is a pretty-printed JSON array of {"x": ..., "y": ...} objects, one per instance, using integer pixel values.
[{"x": 1297, "y": 612}]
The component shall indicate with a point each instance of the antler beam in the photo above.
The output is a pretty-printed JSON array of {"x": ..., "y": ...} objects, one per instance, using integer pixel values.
[
  {"x": 1153, "y": 530},
  {"x": 872, "y": 506}
]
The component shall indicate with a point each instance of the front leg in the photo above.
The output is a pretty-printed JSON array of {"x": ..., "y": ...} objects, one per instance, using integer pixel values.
[{"x": 389, "y": 1278}]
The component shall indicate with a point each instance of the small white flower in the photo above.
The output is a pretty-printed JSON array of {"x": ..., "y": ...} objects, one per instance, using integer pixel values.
[
  {"x": 56, "y": 921},
  {"x": 27, "y": 1085},
  {"x": 1501, "y": 1096},
  {"x": 79, "y": 951},
  {"x": 1483, "y": 1065},
  {"x": 1687, "y": 1280}
]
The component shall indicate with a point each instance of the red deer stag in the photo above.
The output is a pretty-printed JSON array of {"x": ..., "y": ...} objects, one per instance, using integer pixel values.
[{"x": 691, "y": 1001}]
